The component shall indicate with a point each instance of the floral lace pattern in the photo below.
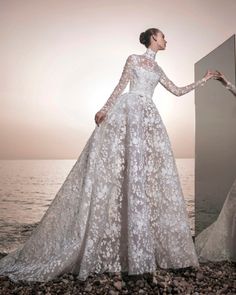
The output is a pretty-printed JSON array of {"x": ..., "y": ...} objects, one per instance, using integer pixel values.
[
  {"x": 218, "y": 241},
  {"x": 178, "y": 91},
  {"x": 121, "y": 207}
]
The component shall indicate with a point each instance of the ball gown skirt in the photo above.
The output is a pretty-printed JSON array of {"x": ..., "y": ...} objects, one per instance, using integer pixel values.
[{"x": 120, "y": 208}]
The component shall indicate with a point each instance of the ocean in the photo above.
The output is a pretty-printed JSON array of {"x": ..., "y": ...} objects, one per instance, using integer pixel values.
[{"x": 27, "y": 188}]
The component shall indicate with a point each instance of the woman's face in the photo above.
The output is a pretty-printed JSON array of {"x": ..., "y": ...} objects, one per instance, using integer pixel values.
[{"x": 161, "y": 42}]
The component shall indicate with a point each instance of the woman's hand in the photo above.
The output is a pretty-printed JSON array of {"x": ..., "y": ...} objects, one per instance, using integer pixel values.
[
  {"x": 221, "y": 77},
  {"x": 210, "y": 74},
  {"x": 99, "y": 117}
]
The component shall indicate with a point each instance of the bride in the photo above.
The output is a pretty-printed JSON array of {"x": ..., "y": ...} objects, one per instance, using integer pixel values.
[
  {"x": 121, "y": 207},
  {"x": 218, "y": 241}
]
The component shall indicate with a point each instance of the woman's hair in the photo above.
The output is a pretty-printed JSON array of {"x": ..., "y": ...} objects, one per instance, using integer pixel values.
[{"x": 144, "y": 37}]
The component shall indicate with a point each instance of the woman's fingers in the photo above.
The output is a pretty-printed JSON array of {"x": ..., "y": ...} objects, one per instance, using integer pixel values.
[
  {"x": 214, "y": 74},
  {"x": 219, "y": 75},
  {"x": 99, "y": 117},
  {"x": 209, "y": 74}
]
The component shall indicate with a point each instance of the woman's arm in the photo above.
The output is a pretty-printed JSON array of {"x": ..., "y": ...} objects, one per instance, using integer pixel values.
[
  {"x": 178, "y": 91},
  {"x": 124, "y": 79},
  {"x": 231, "y": 87},
  {"x": 221, "y": 77}
]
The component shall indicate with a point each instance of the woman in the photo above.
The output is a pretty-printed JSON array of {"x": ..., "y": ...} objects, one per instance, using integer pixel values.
[
  {"x": 121, "y": 208},
  {"x": 217, "y": 242}
]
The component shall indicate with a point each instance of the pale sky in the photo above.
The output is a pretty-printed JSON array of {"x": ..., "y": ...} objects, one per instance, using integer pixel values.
[{"x": 60, "y": 61}]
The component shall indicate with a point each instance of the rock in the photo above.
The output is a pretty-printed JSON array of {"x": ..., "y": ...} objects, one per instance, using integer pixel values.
[
  {"x": 225, "y": 285},
  {"x": 118, "y": 285},
  {"x": 6, "y": 284},
  {"x": 97, "y": 283},
  {"x": 117, "y": 274},
  {"x": 161, "y": 284},
  {"x": 175, "y": 283},
  {"x": 140, "y": 283},
  {"x": 187, "y": 273},
  {"x": 104, "y": 281},
  {"x": 169, "y": 281},
  {"x": 131, "y": 283},
  {"x": 179, "y": 278},
  {"x": 160, "y": 278},
  {"x": 71, "y": 277},
  {"x": 199, "y": 276},
  {"x": 88, "y": 288},
  {"x": 123, "y": 284},
  {"x": 154, "y": 281}
]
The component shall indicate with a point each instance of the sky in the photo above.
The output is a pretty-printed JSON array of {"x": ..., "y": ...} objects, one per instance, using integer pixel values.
[{"x": 60, "y": 61}]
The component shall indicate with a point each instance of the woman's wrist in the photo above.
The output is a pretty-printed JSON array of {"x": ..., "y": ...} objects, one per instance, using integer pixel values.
[
  {"x": 226, "y": 82},
  {"x": 102, "y": 111},
  {"x": 203, "y": 81}
]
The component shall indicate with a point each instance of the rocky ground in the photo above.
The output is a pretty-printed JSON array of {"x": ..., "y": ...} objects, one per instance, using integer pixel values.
[{"x": 210, "y": 279}]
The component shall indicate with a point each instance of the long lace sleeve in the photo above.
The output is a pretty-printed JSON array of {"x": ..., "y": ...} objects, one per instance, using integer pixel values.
[
  {"x": 178, "y": 91},
  {"x": 230, "y": 86},
  {"x": 124, "y": 79}
]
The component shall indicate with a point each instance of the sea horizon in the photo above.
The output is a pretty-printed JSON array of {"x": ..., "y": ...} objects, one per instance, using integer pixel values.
[{"x": 28, "y": 186}]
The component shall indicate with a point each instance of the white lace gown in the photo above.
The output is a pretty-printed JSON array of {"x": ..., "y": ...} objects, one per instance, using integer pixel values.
[
  {"x": 217, "y": 242},
  {"x": 121, "y": 207}
]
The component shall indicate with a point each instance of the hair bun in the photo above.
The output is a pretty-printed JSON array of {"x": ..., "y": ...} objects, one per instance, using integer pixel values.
[{"x": 142, "y": 38}]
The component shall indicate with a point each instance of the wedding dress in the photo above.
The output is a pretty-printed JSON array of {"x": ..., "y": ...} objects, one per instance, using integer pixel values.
[
  {"x": 121, "y": 207},
  {"x": 217, "y": 242}
]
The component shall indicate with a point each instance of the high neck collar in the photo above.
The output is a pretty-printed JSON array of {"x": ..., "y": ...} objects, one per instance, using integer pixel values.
[{"x": 150, "y": 53}]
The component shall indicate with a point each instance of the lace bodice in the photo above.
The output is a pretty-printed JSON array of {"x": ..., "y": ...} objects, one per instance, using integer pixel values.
[{"x": 144, "y": 73}]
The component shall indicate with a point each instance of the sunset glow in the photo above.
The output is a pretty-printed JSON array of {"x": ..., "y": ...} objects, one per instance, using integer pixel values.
[{"x": 60, "y": 61}]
